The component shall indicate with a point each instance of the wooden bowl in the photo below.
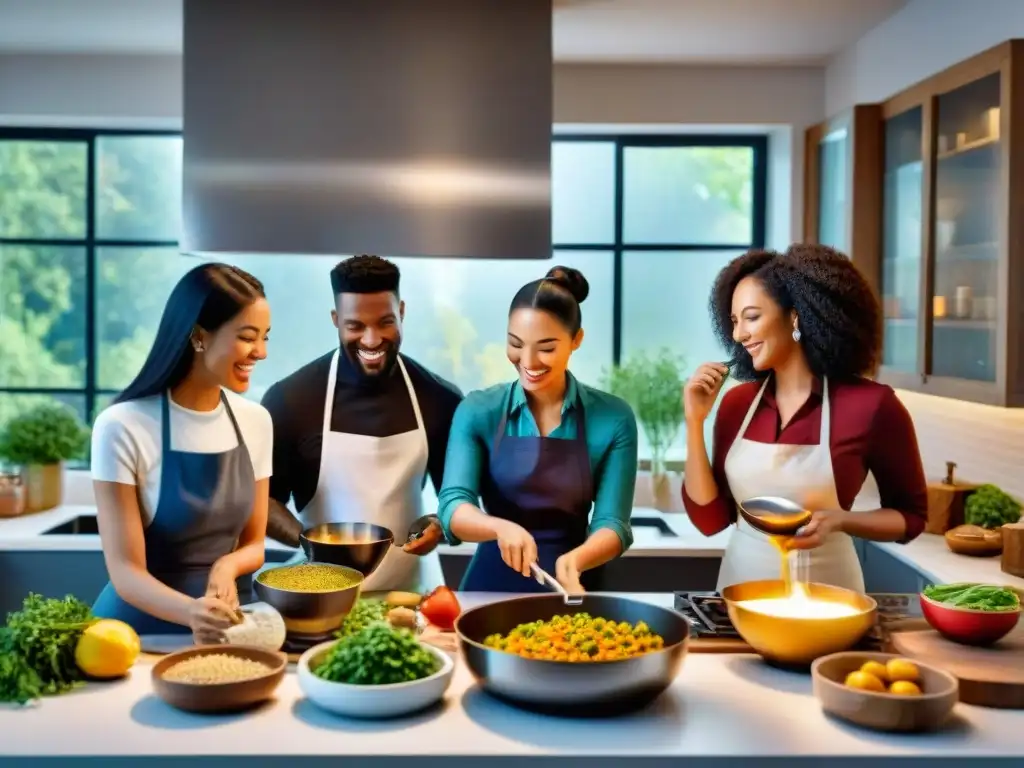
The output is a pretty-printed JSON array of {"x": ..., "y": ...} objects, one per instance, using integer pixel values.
[
  {"x": 883, "y": 711},
  {"x": 968, "y": 626},
  {"x": 220, "y": 697},
  {"x": 974, "y": 541}
]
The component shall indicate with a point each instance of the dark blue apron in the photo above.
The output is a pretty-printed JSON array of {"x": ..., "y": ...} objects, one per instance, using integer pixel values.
[
  {"x": 545, "y": 485},
  {"x": 205, "y": 501}
]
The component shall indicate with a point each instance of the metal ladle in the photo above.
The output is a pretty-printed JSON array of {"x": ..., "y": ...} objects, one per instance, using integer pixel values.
[
  {"x": 543, "y": 577},
  {"x": 774, "y": 516}
]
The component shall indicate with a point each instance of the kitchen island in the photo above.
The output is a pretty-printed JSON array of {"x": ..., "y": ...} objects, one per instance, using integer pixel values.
[{"x": 720, "y": 708}]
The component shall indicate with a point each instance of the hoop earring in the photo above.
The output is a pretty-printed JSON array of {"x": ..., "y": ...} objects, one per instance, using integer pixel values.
[{"x": 796, "y": 334}]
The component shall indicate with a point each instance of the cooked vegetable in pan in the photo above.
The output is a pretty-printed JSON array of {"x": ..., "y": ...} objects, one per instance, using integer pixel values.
[{"x": 577, "y": 638}]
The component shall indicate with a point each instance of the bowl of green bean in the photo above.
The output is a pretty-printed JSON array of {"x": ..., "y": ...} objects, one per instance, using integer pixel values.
[
  {"x": 971, "y": 614},
  {"x": 312, "y": 598},
  {"x": 379, "y": 671}
]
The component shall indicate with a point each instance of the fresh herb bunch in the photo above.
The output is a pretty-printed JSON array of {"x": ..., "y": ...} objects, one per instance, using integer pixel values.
[
  {"x": 37, "y": 648},
  {"x": 379, "y": 654},
  {"x": 363, "y": 614},
  {"x": 978, "y": 597},
  {"x": 990, "y": 507}
]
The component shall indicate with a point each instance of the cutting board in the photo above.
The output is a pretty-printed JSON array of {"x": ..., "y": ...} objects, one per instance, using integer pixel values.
[
  {"x": 718, "y": 645},
  {"x": 989, "y": 677}
]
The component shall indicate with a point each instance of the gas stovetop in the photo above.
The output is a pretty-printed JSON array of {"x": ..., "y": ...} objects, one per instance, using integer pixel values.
[{"x": 709, "y": 619}]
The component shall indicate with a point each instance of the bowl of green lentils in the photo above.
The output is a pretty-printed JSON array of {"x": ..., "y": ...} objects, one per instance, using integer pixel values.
[{"x": 312, "y": 598}]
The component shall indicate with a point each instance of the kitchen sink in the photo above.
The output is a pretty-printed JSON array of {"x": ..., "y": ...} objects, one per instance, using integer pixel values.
[
  {"x": 83, "y": 525},
  {"x": 86, "y": 525},
  {"x": 653, "y": 522}
]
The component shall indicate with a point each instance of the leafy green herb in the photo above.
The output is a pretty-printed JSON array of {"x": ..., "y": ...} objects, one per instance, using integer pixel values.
[
  {"x": 989, "y": 507},
  {"x": 46, "y": 434},
  {"x": 653, "y": 387},
  {"x": 978, "y": 597},
  {"x": 37, "y": 648},
  {"x": 362, "y": 615},
  {"x": 378, "y": 654}
]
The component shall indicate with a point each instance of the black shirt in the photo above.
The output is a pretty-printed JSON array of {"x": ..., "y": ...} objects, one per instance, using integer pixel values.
[{"x": 296, "y": 405}]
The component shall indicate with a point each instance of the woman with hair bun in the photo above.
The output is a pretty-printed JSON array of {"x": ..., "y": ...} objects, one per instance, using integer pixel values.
[
  {"x": 803, "y": 330},
  {"x": 540, "y": 453}
]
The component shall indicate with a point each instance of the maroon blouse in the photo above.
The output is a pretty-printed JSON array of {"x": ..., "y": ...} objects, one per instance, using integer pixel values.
[{"x": 871, "y": 431}]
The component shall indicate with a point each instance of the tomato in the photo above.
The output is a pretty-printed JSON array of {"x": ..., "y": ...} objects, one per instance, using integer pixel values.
[{"x": 441, "y": 608}]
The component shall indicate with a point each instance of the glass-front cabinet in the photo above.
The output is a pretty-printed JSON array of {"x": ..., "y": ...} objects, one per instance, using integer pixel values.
[
  {"x": 842, "y": 175},
  {"x": 951, "y": 273}
]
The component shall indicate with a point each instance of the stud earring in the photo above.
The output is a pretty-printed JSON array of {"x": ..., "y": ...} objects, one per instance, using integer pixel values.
[
  {"x": 796, "y": 334},
  {"x": 199, "y": 347}
]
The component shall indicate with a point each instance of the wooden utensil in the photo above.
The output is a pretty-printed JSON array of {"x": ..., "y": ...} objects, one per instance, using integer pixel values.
[
  {"x": 1013, "y": 549},
  {"x": 946, "y": 502},
  {"x": 989, "y": 677}
]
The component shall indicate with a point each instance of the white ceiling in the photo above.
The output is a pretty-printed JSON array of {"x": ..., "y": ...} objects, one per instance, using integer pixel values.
[{"x": 779, "y": 32}]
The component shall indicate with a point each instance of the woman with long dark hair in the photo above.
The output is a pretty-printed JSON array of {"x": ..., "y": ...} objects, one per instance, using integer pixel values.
[
  {"x": 181, "y": 463},
  {"x": 804, "y": 330},
  {"x": 552, "y": 460}
]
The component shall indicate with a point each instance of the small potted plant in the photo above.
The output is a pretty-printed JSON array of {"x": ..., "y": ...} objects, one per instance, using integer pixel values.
[
  {"x": 652, "y": 385},
  {"x": 986, "y": 510},
  {"x": 39, "y": 441}
]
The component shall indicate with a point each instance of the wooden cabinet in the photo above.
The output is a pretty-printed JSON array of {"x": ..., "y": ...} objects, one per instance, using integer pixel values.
[
  {"x": 842, "y": 185},
  {"x": 946, "y": 182}
]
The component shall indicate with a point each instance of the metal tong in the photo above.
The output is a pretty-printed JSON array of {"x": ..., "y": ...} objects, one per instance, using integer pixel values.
[{"x": 543, "y": 577}]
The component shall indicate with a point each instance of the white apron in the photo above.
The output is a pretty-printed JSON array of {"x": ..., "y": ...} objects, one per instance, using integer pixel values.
[
  {"x": 803, "y": 474},
  {"x": 379, "y": 480}
]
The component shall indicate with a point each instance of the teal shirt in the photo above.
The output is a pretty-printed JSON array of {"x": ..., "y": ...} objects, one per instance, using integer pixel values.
[{"x": 611, "y": 443}]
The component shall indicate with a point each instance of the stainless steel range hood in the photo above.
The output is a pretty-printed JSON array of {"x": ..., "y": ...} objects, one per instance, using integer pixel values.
[{"x": 397, "y": 127}]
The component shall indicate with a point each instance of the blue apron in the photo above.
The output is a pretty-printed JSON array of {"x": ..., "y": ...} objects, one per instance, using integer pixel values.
[
  {"x": 205, "y": 501},
  {"x": 545, "y": 485}
]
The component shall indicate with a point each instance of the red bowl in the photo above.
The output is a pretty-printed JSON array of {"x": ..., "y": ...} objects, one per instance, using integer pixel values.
[{"x": 968, "y": 626}]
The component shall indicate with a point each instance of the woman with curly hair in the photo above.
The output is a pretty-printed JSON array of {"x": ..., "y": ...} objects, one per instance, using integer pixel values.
[{"x": 804, "y": 332}]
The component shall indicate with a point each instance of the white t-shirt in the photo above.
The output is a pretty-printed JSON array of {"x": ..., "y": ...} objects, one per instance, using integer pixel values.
[{"x": 126, "y": 441}]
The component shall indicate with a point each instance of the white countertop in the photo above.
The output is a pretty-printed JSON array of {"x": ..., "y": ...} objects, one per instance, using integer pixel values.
[
  {"x": 26, "y": 533},
  {"x": 720, "y": 705},
  {"x": 928, "y": 553}
]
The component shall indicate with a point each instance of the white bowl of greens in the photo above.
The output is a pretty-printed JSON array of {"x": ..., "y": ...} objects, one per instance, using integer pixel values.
[{"x": 378, "y": 672}]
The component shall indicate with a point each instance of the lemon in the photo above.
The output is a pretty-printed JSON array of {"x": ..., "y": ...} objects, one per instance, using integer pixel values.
[
  {"x": 904, "y": 688},
  {"x": 107, "y": 649},
  {"x": 875, "y": 668},
  {"x": 865, "y": 681},
  {"x": 902, "y": 669}
]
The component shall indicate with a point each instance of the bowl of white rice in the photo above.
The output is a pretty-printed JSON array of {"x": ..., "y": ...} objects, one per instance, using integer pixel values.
[{"x": 218, "y": 678}]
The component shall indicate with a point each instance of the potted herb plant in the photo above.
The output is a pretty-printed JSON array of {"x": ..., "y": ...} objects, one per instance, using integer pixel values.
[
  {"x": 652, "y": 385},
  {"x": 986, "y": 510},
  {"x": 39, "y": 441}
]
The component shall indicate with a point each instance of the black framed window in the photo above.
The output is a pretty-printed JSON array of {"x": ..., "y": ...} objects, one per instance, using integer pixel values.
[{"x": 89, "y": 223}]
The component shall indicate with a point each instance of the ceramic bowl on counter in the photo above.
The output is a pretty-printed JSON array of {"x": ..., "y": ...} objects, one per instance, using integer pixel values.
[
  {"x": 373, "y": 701},
  {"x": 882, "y": 710},
  {"x": 219, "y": 678},
  {"x": 791, "y": 640},
  {"x": 968, "y": 626}
]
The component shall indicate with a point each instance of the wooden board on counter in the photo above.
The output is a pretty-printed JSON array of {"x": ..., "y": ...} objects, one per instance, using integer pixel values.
[
  {"x": 718, "y": 645},
  {"x": 989, "y": 677}
]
